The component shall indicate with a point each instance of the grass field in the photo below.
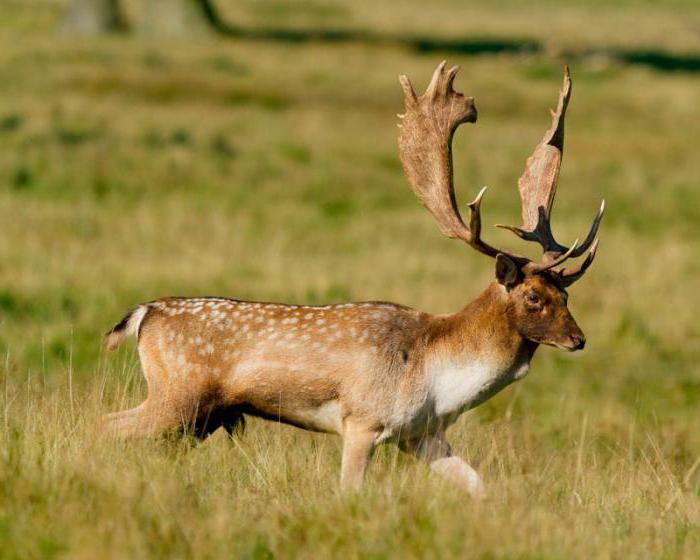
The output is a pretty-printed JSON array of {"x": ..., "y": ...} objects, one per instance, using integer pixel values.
[{"x": 133, "y": 168}]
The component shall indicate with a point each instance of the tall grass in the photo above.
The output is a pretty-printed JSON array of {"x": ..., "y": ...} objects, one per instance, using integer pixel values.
[{"x": 132, "y": 169}]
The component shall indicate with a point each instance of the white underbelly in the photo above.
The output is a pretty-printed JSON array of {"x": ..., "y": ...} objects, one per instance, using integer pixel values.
[{"x": 324, "y": 418}]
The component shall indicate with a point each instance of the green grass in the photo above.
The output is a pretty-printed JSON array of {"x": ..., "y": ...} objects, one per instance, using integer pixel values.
[{"x": 133, "y": 169}]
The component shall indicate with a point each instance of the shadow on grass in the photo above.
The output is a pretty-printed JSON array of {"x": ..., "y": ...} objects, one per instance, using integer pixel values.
[
  {"x": 659, "y": 60},
  {"x": 656, "y": 59},
  {"x": 418, "y": 43}
]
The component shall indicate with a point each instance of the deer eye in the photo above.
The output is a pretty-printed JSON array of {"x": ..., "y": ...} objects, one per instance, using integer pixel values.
[{"x": 532, "y": 299}]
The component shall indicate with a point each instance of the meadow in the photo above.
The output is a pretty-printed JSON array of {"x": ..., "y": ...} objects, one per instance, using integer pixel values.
[{"x": 133, "y": 168}]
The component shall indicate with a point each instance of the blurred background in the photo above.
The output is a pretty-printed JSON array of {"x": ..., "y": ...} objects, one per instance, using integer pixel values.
[{"x": 247, "y": 148}]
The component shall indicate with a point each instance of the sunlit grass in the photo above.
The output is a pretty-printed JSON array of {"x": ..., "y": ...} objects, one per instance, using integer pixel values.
[{"x": 595, "y": 483}]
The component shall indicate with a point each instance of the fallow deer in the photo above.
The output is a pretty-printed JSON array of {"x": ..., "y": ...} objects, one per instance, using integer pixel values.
[{"x": 372, "y": 372}]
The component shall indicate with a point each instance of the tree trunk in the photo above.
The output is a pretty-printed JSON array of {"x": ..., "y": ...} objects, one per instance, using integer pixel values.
[
  {"x": 92, "y": 17},
  {"x": 178, "y": 18}
]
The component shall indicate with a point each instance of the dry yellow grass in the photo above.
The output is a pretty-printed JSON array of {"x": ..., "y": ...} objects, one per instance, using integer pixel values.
[{"x": 132, "y": 169}]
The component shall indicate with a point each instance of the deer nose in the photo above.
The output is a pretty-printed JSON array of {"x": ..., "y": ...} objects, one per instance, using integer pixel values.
[{"x": 579, "y": 341}]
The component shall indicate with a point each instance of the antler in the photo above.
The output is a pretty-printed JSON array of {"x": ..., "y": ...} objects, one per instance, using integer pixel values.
[
  {"x": 425, "y": 148},
  {"x": 538, "y": 186}
]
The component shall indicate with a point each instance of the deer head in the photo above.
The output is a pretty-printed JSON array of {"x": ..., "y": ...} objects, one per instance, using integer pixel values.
[{"x": 535, "y": 290}]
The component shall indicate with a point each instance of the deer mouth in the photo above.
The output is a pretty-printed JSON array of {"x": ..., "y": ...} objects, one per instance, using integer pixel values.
[
  {"x": 568, "y": 348},
  {"x": 572, "y": 345}
]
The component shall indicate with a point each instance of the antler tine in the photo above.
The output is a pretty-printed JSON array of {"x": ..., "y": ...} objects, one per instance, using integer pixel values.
[
  {"x": 569, "y": 275},
  {"x": 425, "y": 148},
  {"x": 592, "y": 232},
  {"x": 536, "y": 268},
  {"x": 542, "y": 234},
  {"x": 432, "y": 89},
  {"x": 475, "y": 215},
  {"x": 409, "y": 94},
  {"x": 474, "y": 239},
  {"x": 441, "y": 83}
]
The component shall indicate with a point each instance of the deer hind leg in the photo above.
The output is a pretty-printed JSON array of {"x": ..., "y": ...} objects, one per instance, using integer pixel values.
[
  {"x": 177, "y": 398},
  {"x": 118, "y": 423},
  {"x": 165, "y": 408},
  {"x": 437, "y": 453},
  {"x": 149, "y": 419}
]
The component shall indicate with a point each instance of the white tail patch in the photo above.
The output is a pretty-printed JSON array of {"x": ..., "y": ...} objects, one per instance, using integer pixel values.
[
  {"x": 122, "y": 330},
  {"x": 134, "y": 323}
]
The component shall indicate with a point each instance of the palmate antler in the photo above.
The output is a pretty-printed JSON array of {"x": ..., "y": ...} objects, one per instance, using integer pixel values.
[
  {"x": 538, "y": 185},
  {"x": 425, "y": 148}
]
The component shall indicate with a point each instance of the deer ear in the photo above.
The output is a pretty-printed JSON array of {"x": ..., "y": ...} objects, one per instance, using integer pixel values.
[{"x": 507, "y": 272}]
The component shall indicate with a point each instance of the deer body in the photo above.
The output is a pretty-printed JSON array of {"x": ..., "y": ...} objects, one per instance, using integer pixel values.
[
  {"x": 401, "y": 370},
  {"x": 372, "y": 372}
]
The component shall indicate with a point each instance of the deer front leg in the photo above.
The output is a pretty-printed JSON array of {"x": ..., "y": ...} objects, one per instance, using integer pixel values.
[
  {"x": 436, "y": 451},
  {"x": 358, "y": 443}
]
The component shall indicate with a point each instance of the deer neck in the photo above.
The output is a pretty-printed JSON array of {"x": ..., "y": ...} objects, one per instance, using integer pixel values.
[{"x": 476, "y": 352}]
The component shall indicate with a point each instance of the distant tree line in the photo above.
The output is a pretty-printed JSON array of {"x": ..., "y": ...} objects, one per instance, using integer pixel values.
[{"x": 155, "y": 17}]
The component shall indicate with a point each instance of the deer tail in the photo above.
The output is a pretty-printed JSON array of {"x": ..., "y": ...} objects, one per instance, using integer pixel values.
[{"x": 129, "y": 325}]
